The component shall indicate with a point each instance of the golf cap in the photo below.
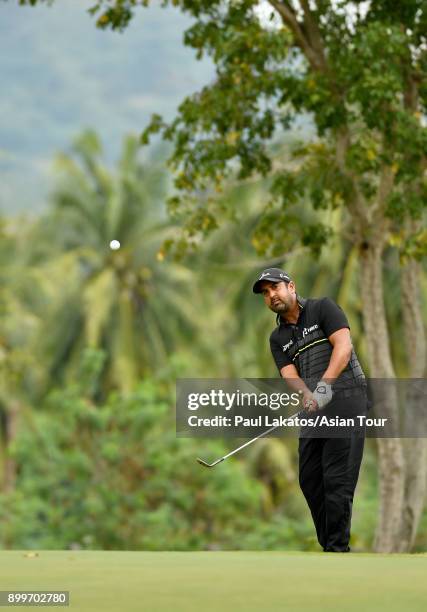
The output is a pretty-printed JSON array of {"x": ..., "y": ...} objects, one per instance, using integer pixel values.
[{"x": 274, "y": 275}]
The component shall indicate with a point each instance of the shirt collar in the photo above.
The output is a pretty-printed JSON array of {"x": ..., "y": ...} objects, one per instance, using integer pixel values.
[{"x": 301, "y": 303}]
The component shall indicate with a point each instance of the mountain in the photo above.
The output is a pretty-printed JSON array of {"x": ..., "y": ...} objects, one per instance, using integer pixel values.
[{"x": 60, "y": 75}]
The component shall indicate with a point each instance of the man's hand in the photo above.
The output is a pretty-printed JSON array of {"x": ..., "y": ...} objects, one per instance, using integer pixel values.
[
  {"x": 309, "y": 402},
  {"x": 320, "y": 397},
  {"x": 322, "y": 394}
]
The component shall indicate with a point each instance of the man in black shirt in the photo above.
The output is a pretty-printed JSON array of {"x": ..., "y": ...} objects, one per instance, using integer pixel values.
[{"x": 312, "y": 348}]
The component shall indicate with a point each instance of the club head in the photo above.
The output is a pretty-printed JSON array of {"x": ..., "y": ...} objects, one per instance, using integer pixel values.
[{"x": 209, "y": 465}]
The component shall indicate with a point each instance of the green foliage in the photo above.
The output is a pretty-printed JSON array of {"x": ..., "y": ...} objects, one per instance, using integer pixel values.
[
  {"x": 19, "y": 368},
  {"x": 107, "y": 471},
  {"x": 127, "y": 302},
  {"x": 113, "y": 475},
  {"x": 82, "y": 458},
  {"x": 358, "y": 72}
]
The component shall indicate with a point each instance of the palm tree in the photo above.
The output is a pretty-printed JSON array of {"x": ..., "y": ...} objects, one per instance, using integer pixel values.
[{"x": 127, "y": 302}]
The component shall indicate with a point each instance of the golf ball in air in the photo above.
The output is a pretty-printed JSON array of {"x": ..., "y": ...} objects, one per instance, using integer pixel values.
[{"x": 114, "y": 245}]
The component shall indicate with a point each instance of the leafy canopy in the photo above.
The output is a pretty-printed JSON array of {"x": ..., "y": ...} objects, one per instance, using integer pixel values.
[{"x": 356, "y": 70}]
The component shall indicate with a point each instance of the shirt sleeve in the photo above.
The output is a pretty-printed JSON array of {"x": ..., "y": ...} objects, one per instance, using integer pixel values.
[
  {"x": 280, "y": 357},
  {"x": 332, "y": 317}
]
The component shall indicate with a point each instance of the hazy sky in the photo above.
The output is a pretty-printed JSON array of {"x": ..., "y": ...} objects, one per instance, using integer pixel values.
[{"x": 60, "y": 74}]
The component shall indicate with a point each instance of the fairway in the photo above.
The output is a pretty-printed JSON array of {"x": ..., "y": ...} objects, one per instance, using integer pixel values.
[{"x": 186, "y": 581}]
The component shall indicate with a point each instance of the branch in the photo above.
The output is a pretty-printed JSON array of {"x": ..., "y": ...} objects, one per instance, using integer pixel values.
[
  {"x": 411, "y": 80},
  {"x": 356, "y": 205},
  {"x": 314, "y": 34},
  {"x": 290, "y": 19},
  {"x": 385, "y": 188}
]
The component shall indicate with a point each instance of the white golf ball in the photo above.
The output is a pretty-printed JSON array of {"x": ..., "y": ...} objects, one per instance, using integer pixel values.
[{"x": 114, "y": 245}]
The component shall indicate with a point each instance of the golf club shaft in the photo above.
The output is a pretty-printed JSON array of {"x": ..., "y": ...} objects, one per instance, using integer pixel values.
[
  {"x": 236, "y": 450},
  {"x": 264, "y": 433}
]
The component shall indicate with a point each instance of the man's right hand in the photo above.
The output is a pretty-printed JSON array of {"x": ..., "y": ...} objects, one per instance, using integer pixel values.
[
  {"x": 292, "y": 378},
  {"x": 308, "y": 401}
]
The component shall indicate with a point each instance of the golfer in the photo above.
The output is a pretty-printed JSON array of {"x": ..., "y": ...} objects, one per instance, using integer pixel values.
[{"x": 312, "y": 348}]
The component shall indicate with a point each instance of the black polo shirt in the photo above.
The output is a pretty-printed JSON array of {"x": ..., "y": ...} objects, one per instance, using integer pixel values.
[{"x": 305, "y": 344}]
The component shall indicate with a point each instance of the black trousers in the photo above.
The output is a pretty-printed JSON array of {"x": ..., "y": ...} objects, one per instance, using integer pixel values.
[{"x": 328, "y": 474}]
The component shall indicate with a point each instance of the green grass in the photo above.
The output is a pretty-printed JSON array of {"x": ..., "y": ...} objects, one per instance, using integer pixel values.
[{"x": 222, "y": 581}]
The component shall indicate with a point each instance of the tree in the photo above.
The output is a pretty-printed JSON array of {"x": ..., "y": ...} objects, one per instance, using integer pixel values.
[
  {"x": 226, "y": 268},
  {"x": 357, "y": 71},
  {"x": 125, "y": 301},
  {"x": 19, "y": 369},
  {"x": 85, "y": 480}
]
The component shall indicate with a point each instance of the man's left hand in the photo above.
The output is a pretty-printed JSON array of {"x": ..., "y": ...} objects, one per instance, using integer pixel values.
[{"x": 322, "y": 394}]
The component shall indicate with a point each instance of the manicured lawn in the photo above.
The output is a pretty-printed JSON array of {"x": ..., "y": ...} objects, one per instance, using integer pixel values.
[{"x": 222, "y": 581}]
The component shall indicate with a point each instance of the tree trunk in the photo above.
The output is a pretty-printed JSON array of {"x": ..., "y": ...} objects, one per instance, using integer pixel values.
[
  {"x": 415, "y": 450},
  {"x": 390, "y": 454}
]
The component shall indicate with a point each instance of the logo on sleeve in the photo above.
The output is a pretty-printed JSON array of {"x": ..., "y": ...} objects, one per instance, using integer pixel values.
[{"x": 287, "y": 345}]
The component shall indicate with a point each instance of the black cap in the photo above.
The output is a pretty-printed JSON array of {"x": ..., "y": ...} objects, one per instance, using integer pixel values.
[{"x": 274, "y": 275}]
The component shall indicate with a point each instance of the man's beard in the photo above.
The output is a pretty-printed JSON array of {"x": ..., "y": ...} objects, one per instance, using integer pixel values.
[{"x": 280, "y": 307}]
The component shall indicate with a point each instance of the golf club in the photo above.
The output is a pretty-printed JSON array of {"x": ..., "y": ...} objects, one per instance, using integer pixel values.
[{"x": 236, "y": 450}]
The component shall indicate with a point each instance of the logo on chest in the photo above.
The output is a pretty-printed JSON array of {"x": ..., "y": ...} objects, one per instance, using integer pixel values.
[{"x": 307, "y": 330}]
